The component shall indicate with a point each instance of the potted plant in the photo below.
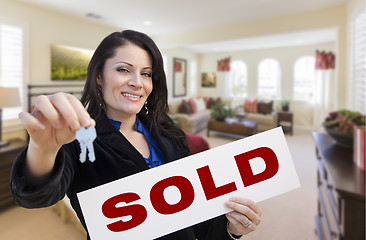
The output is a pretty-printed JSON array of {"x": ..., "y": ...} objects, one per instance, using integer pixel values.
[
  {"x": 340, "y": 125},
  {"x": 220, "y": 111},
  {"x": 285, "y": 104}
]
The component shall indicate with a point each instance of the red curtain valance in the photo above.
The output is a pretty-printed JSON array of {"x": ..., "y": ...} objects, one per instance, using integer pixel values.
[
  {"x": 223, "y": 65},
  {"x": 324, "y": 60}
]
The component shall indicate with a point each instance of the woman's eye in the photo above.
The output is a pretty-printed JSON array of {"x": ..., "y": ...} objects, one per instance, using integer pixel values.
[
  {"x": 122, "y": 69},
  {"x": 146, "y": 74}
]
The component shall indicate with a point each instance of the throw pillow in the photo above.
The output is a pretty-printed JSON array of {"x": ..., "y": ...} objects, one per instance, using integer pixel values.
[
  {"x": 200, "y": 103},
  {"x": 251, "y": 106},
  {"x": 184, "y": 107},
  {"x": 210, "y": 103},
  {"x": 206, "y": 101},
  {"x": 265, "y": 107},
  {"x": 192, "y": 105}
]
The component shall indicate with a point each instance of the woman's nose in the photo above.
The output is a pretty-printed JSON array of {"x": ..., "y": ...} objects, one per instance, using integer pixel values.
[{"x": 135, "y": 81}]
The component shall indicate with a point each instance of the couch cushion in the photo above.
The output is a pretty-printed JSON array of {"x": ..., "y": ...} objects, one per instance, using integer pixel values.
[
  {"x": 192, "y": 105},
  {"x": 265, "y": 107},
  {"x": 184, "y": 107},
  {"x": 268, "y": 119},
  {"x": 251, "y": 105},
  {"x": 173, "y": 107},
  {"x": 200, "y": 103}
]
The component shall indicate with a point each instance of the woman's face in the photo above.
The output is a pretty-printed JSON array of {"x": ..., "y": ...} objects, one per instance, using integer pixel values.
[{"x": 127, "y": 81}]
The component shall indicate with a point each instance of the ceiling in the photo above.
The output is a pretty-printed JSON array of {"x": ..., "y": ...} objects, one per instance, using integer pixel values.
[{"x": 167, "y": 17}]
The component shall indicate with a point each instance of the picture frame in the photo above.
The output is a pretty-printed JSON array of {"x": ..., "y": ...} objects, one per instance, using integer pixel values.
[
  {"x": 69, "y": 63},
  {"x": 179, "y": 77},
  {"x": 208, "y": 79}
]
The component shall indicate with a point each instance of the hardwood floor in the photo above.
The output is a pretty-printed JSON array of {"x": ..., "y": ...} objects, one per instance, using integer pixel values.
[
  {"x": 286, "y": 217},
  {"x": 36, "y": 224}
]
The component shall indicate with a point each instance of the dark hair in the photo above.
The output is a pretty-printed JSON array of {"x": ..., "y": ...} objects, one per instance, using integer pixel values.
[{"x": 157, "y": 102}]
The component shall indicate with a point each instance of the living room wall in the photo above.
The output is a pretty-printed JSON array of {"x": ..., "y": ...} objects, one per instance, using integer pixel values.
[
  {"x": 335, "y": 17},
  {"x": 192, "y": 59},
  {"x": 286, "y": 56},
  {"x": 47, "y": 27},
  {"x": 44, "y": 28}
]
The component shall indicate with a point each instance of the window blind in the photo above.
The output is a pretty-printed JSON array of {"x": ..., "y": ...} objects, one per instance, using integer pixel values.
[
  {"x": 357, "y": 94},
  {"x": 11, "y": 63}
]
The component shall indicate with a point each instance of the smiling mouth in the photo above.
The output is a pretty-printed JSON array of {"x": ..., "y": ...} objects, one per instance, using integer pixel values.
[{"x": 131, "y": 95}]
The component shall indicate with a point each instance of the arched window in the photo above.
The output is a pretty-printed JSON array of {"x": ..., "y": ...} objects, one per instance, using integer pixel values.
[
  {"x": 239, "y": 79},
  {"x": 304, "y": 77},
  {"x": 269, "y": 76}
]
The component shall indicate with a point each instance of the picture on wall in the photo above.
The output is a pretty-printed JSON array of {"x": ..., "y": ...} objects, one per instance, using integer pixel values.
[
  {"x": 179, "y": 77},
  {"x": 69, "y": 63},
  {"x": 208, "y": 79}
]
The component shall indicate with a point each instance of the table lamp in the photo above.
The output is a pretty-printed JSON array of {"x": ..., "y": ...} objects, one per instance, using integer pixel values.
[{"x": 9, "y": 97}]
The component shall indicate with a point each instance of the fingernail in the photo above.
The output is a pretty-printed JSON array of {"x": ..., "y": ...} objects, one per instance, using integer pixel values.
[{"x": 228, "y": 204}]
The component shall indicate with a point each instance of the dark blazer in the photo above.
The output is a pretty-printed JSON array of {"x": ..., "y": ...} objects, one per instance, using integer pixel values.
[{"x": 115, "y": 158}]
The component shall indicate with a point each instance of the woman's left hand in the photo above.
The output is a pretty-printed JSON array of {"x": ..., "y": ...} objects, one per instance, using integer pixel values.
[{"x": 245, "y": 217}]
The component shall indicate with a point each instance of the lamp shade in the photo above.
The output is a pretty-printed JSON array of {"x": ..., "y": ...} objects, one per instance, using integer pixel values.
[{"x": 9, "y": 97}]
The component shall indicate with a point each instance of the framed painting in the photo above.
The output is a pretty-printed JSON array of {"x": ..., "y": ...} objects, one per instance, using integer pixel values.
[
  {"x": 208, "y": 79},
  {"x": 69, "y": 63}
]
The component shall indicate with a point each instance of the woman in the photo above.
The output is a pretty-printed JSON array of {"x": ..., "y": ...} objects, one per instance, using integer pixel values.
[{"x": 126, "y": 95}]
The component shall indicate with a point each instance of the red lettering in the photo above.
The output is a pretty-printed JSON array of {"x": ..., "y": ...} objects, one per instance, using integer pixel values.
[
  {"x": 157, "y": 195},
  {"x": 209, "y": 187},
  {"x": 247, "y": 176},
  {"x": 138, "y": 212}
]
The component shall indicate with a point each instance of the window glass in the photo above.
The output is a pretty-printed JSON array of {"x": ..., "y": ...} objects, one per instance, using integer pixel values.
[
  {"x": 11, "y": 63},
  {"x": 239, "y": 79},
  {"x": 304, "y": 77},
  {"x": 269, "y": 76}
]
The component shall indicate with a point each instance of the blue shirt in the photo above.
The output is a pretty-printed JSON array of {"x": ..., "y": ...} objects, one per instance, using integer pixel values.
[{"x": 156, "y": 156}]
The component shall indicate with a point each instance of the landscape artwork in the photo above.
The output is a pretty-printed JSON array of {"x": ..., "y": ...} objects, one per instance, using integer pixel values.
[
  {"x": 209, "y": 79},
  {"x": 69, "y": 63}
]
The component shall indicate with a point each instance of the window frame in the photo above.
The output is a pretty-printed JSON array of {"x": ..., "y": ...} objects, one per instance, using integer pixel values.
[
  {"x": 278, "y": 79},
  {"x": 245, "y": 94},
  {"x": 313, "y": 79},
  {"x": 14, "y": 124}
]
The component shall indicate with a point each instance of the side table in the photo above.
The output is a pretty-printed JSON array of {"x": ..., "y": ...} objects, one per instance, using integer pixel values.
[
  {"x": 285, "y": 119},
  {"x": 7, "y": 156}
]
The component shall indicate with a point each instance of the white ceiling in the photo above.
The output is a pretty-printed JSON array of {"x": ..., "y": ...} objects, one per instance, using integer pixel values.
[{"x": 172, "y": 17}]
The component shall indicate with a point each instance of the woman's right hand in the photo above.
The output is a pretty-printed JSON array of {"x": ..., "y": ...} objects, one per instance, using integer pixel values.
[{"x": 53, "y": 122}]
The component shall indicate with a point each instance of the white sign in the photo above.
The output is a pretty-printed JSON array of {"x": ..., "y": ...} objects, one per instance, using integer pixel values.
[{"x": 179, "y": 194}]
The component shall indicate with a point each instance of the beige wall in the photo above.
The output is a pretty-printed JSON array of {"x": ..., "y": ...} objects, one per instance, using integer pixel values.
[
  {"x": 286, "y": 56},
  {"x": 192, "y": 77},
  {"x": 46, "y": 28},
  {"x": 335, "y": 17}
]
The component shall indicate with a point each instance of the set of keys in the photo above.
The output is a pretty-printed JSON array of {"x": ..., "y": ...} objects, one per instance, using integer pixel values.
[{"x": 86, "y": 137}]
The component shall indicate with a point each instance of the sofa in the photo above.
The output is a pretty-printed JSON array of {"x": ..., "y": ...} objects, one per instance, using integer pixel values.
[
  {"x": 191, "y": 115},
  {"x": 260, "y": 111}
]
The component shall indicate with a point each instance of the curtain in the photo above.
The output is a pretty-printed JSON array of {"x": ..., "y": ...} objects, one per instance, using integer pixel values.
[
  {"x": 223, "y": 77},
  {"x": 325, "y": 92}
]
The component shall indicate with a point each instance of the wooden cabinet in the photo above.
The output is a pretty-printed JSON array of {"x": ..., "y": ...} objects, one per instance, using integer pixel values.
[
  {"x": 285, "y": 119},
  {"x": 341, "y": 192},
  {"x": 7, "y": 157}
]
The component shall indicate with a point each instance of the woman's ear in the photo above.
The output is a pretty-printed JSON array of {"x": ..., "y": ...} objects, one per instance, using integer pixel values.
[{"x": 99, "y": 80}]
